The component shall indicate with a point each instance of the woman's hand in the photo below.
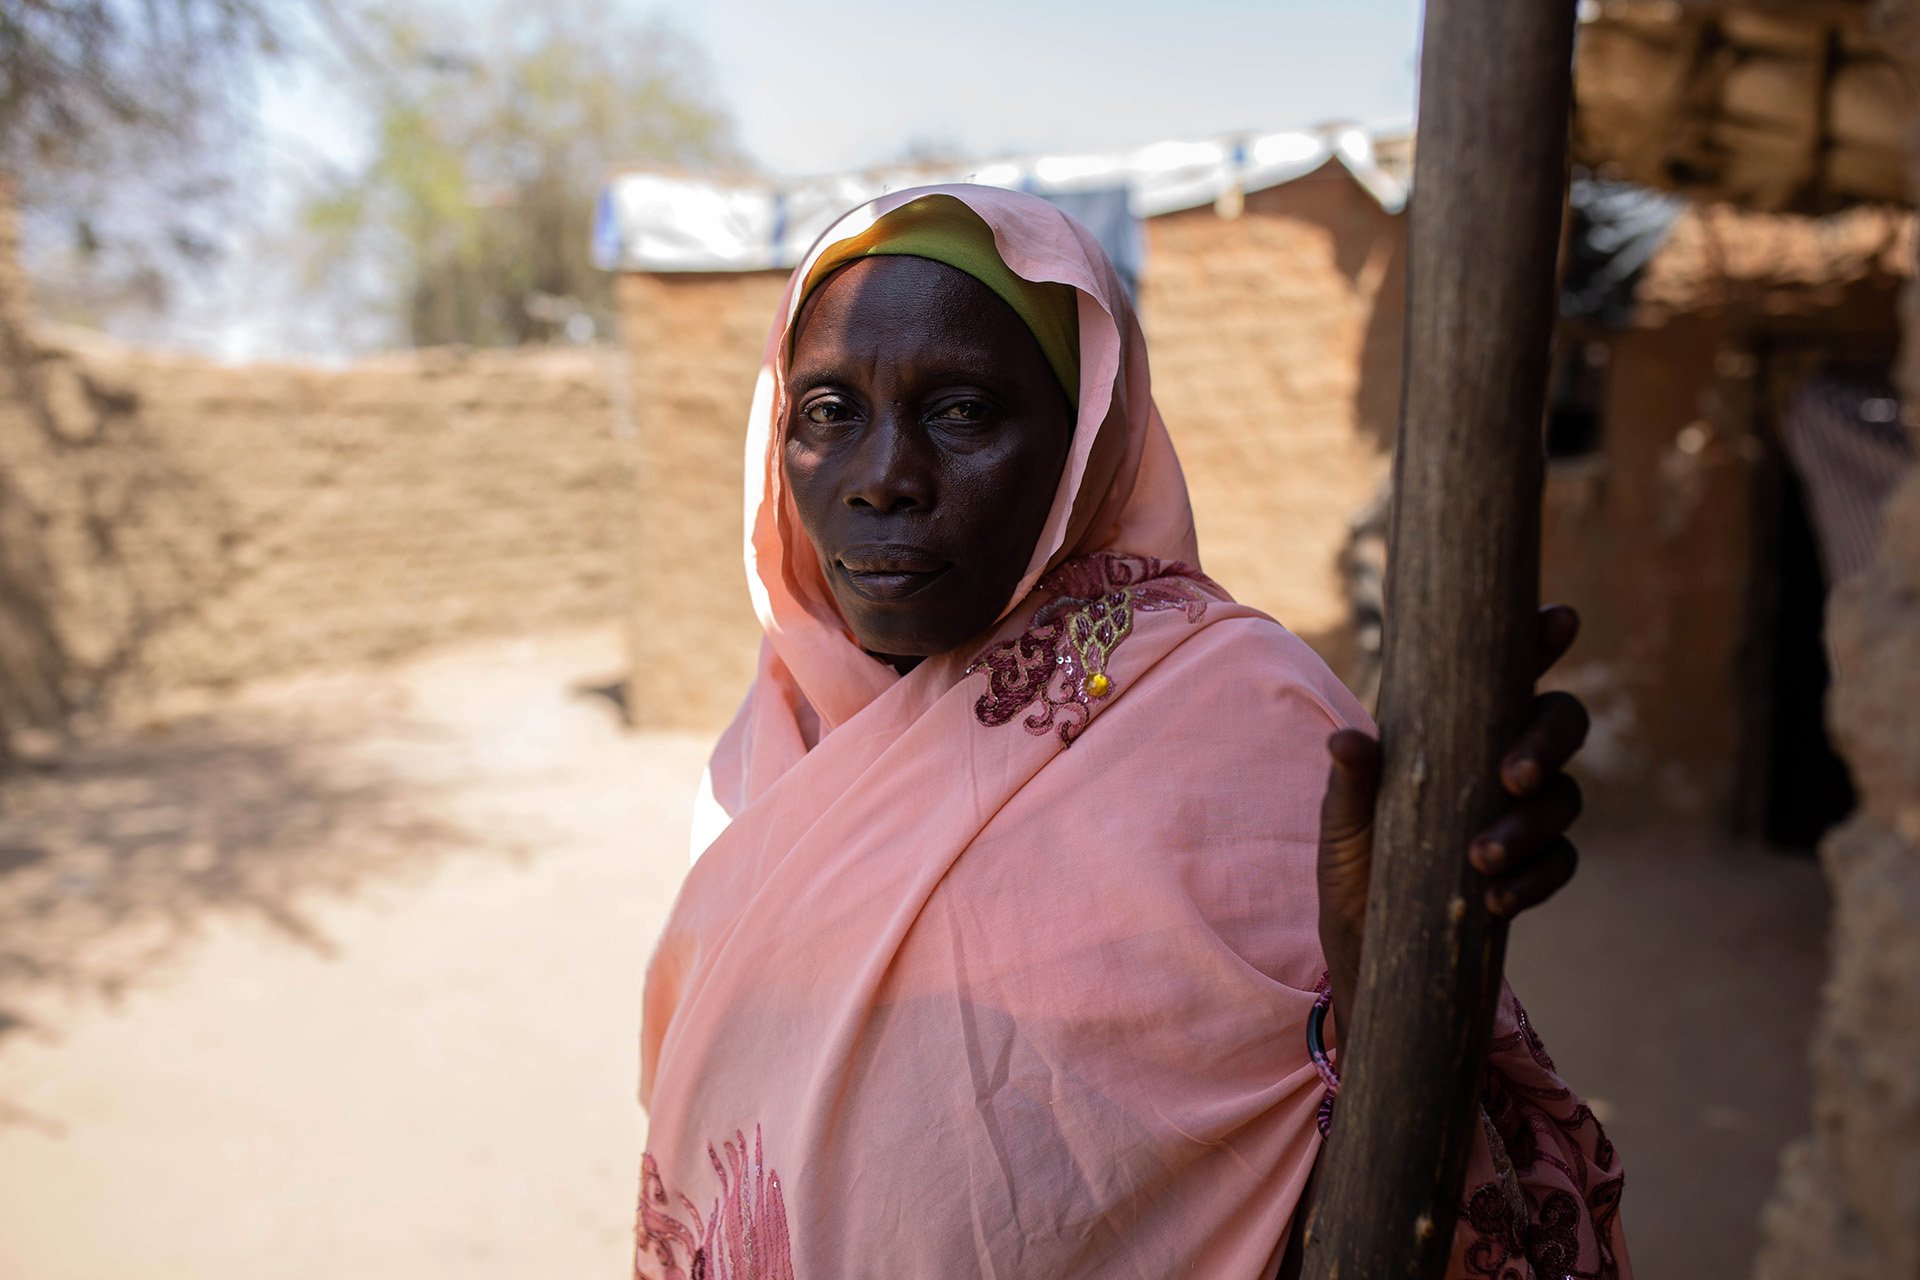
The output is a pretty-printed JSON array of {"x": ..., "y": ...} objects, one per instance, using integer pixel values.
[{"x": 1525, "y": 854}]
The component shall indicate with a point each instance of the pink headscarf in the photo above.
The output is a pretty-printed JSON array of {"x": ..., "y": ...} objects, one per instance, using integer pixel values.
[{"x": 1002, "y": 967}]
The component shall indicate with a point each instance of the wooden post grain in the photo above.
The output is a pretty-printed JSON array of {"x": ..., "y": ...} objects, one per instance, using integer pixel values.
[{"x": 1459, "y": 662}]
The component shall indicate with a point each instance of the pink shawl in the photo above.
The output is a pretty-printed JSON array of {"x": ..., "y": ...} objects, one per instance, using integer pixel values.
[{"x": 1002, "y": 967}]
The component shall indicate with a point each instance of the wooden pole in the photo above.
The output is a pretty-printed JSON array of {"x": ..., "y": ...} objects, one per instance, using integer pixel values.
[{"x": 1459, "y": 662}]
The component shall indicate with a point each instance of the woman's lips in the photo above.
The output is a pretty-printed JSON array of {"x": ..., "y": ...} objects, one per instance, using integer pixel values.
[{"x": 888, "y": 572}]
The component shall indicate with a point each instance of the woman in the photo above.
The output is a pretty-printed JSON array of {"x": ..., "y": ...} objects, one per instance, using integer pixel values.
[{"x": 1020, "y": 890}]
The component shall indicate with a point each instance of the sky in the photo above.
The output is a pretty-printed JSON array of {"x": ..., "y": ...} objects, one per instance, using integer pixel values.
[
  {"x": 829, "y": 85},
  {"x": 835, "y": 84}
]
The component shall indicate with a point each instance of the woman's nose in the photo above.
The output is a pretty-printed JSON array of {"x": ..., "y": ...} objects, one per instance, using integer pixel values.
[{"x": 890, "y": 470}]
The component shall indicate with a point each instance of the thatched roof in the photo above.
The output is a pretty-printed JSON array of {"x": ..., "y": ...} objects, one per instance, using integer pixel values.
[
  {"x": 1718, "y": 257},
  {"x": 1781, "y": 106}
]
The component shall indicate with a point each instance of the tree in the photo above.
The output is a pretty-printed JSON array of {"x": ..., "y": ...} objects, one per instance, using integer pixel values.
[
  {"x": 472, "y": 222},
  {"x": 118, "y": 120},
  {"x": 74, "y": 73}
]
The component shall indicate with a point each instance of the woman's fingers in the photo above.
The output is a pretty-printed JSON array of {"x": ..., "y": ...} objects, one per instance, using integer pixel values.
[
  {"x": 1535, "y": 823},
  {"x": 1558, "y": 625},
  {"x": 1539, "y": 880},
  {"x": 1525, "y": 855},
  {"x": 1557, "y": 730}
]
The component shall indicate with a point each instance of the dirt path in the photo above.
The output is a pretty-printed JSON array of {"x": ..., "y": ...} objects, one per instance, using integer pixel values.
[{"x": 341, "y": 978}]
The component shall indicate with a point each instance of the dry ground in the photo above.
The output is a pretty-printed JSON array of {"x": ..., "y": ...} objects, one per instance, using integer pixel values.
[{"x": 339, "y": 977}]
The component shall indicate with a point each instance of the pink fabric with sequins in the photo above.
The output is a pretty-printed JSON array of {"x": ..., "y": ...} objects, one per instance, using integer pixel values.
[{"x": 1005, "y": 964}]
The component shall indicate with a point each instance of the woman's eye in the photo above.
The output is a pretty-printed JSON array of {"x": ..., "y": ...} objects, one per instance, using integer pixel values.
[
  {"x": 965, "y": 411},
  {"x": 826, "y": 412}
]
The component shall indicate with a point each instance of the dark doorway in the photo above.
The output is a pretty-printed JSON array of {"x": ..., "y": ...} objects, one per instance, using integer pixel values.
[{"x": 1808, "y": 789}]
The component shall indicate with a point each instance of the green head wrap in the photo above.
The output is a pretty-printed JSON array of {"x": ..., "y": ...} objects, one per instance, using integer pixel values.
[{"x": 943, "y": 229}]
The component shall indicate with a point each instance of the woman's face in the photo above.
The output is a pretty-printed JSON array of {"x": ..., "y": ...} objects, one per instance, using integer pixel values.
[{"x": 925, "y": 437}]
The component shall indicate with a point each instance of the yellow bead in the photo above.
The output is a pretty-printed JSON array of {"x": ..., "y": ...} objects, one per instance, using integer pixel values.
[{"x": 1098, "y": 685}]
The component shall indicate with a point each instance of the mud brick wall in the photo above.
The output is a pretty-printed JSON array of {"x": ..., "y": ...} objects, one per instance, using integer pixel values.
[
  {"x": 1847, "y": 1206},
  {"x": 693, "y": 345},
  {"x": 1651, "y": 538},
  {"x": 175, "y": 523},
  {"x": 1275, "y": 338}
]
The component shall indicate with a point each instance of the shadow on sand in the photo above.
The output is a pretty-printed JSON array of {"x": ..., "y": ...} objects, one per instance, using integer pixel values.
[{"x": 113, "y": 862}]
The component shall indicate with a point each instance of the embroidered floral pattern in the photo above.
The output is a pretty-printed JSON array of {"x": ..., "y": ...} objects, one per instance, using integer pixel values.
[
  {"x": 1516, "y": 1236},
  {"x": 1058, "y": 665},
  {"x": 1499, "y": 1248},
  {"x": 743, "y": 1237}
]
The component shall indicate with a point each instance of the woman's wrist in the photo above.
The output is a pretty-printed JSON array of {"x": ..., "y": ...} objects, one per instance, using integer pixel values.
[
  {"x": 1321, "y": 1057},
  {"x": 1342, "y": 954}
]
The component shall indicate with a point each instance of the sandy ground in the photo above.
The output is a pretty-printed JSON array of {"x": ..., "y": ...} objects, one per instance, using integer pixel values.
[
  {"x": 341, "y": 980},
  {"x": 340, "y": 977}
]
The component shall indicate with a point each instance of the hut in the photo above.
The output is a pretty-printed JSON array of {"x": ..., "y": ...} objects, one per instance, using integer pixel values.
[
  {"x": 1748, "y": 405},
  {"x": 1764, "y": 105},
  {"x": 1679, "y": 525},
  {"x": 1789, "y": 106}
]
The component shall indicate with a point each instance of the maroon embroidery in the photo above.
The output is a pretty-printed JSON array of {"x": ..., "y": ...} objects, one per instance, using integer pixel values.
[
  {"x": 744, "y": 1236},
  {"x": 1498, "y": 1238},
  {"x": 1535, "y": 1049},
  {"x": 1513, "y": 1234},
  {"x": 1060, "y": 661}
]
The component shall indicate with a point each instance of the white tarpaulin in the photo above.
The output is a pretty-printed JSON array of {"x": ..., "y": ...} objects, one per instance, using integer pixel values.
[{"x": 657, "y": 222}]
